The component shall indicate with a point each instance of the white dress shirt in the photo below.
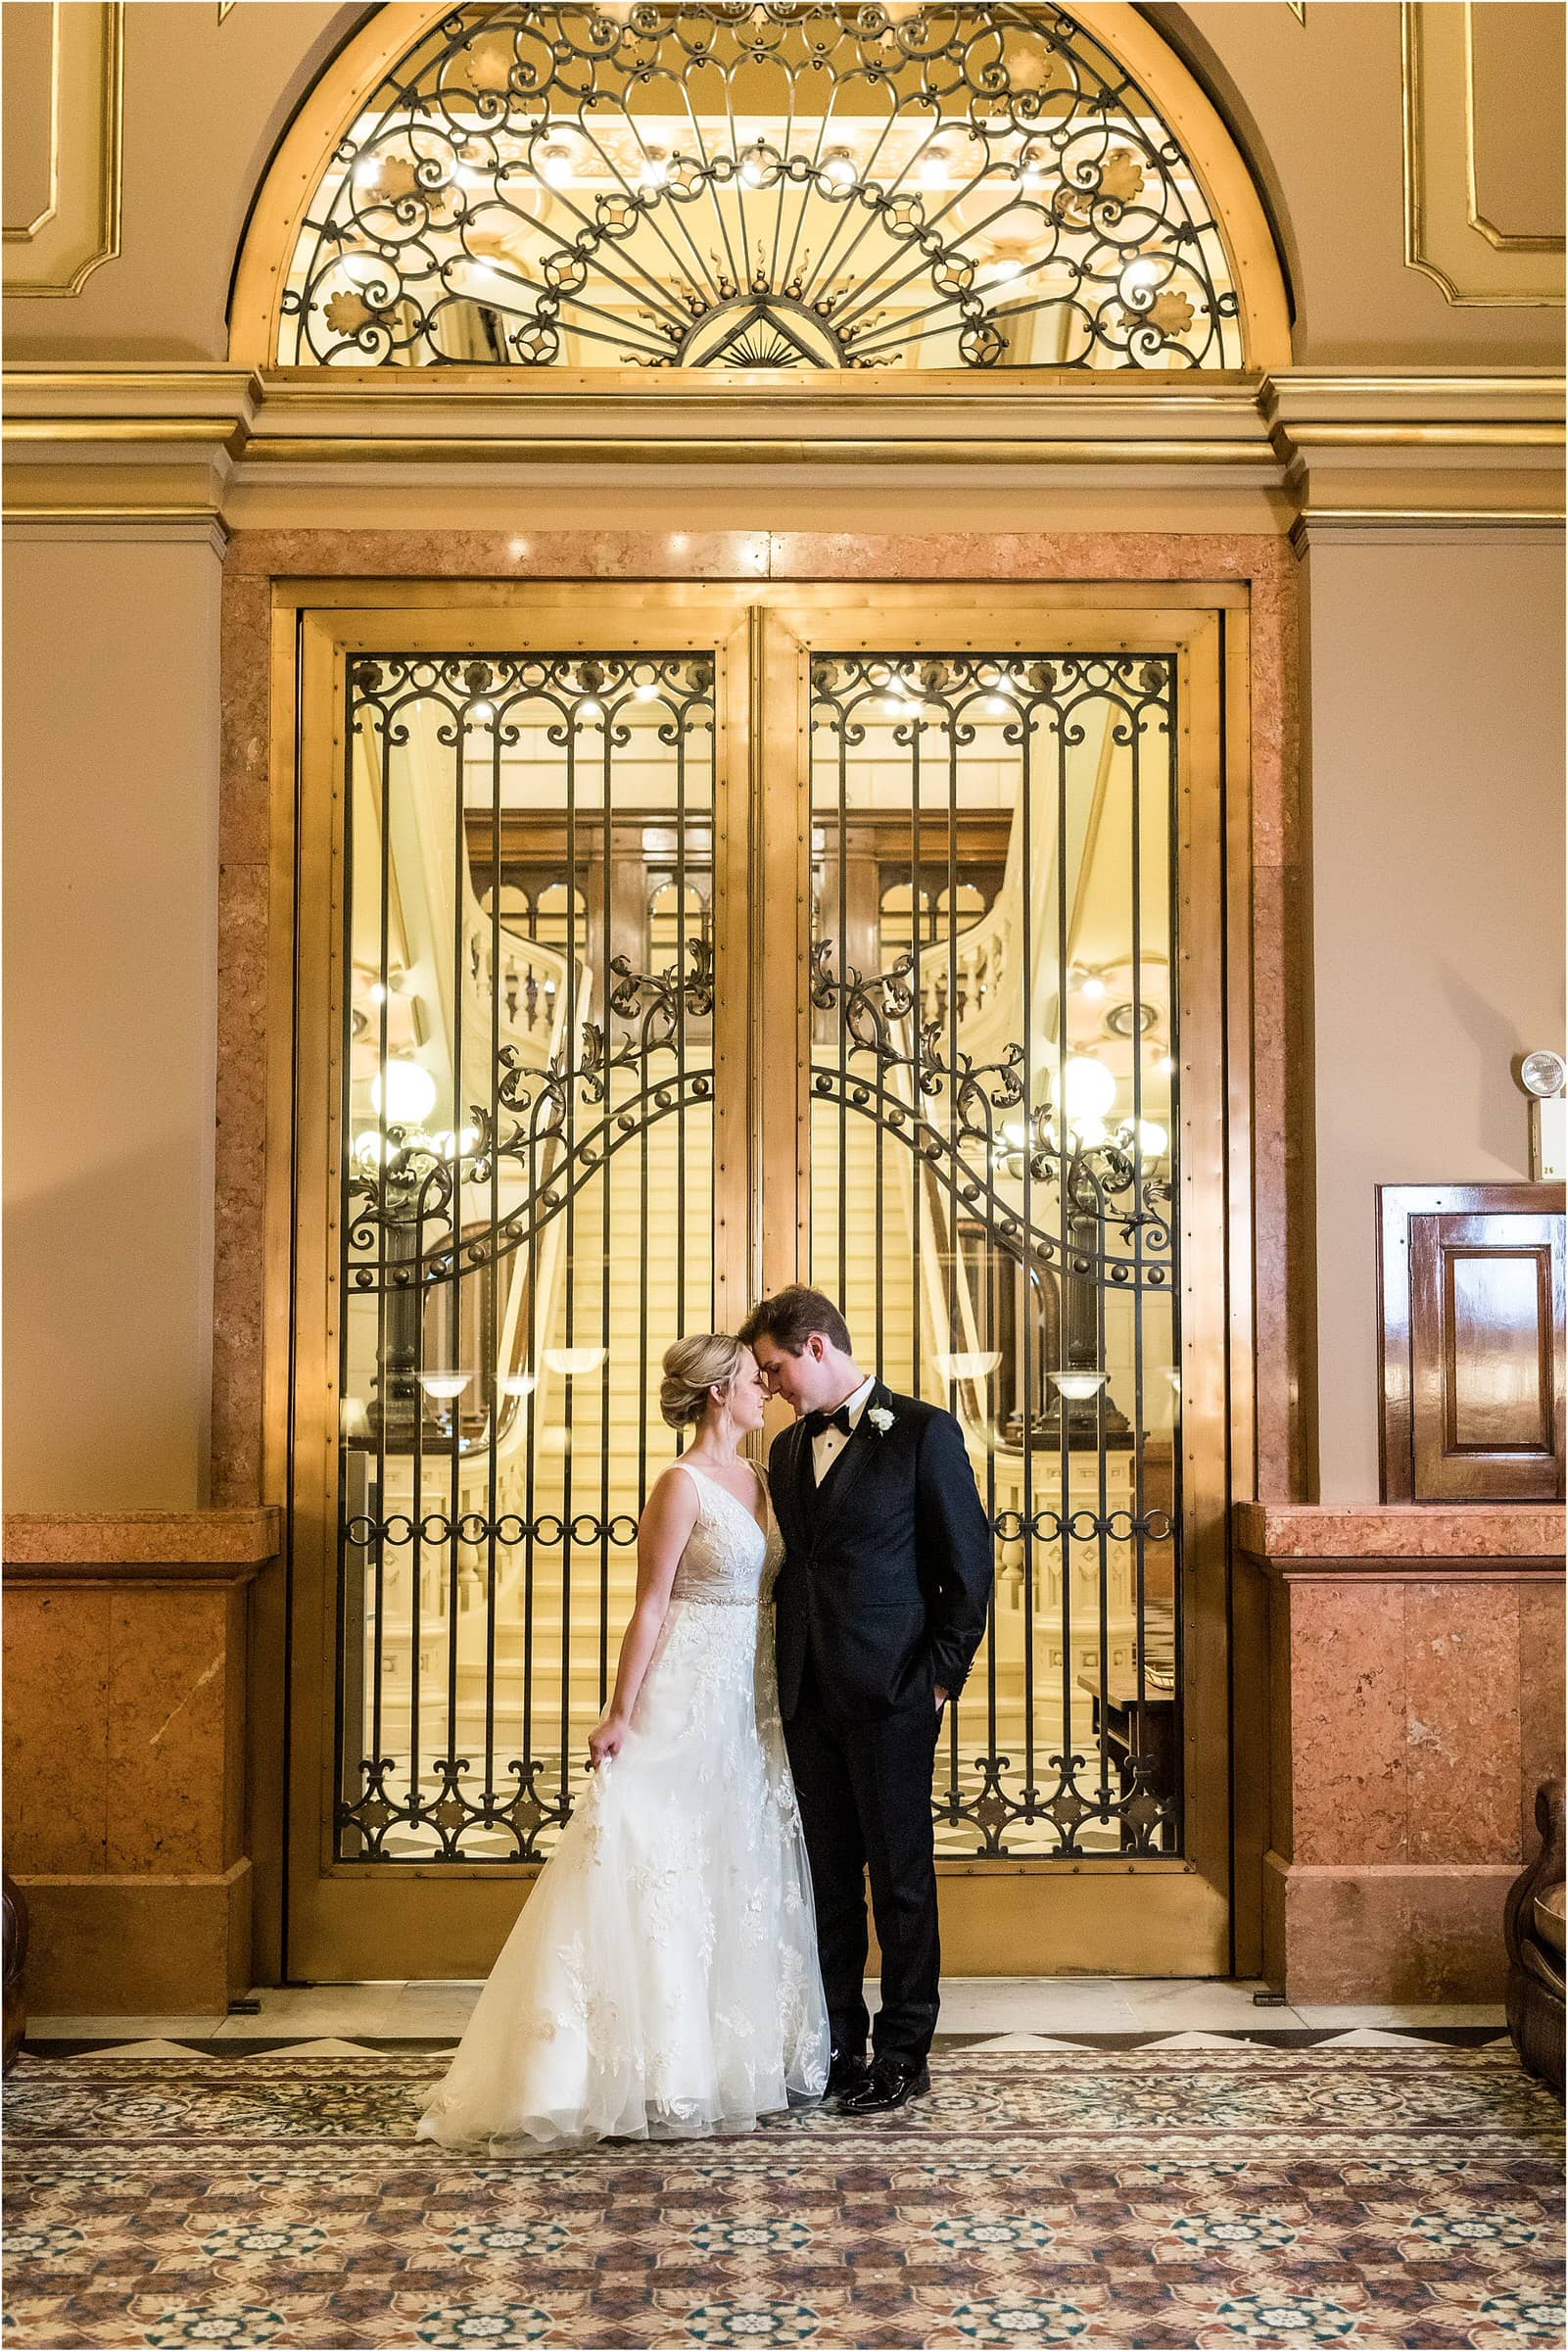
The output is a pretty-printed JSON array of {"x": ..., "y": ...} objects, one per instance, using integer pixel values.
[{"x": 825, "y": 1449}]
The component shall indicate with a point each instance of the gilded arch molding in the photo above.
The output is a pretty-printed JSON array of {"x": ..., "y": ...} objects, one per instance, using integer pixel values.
[{"x": 1229, "y": 214}]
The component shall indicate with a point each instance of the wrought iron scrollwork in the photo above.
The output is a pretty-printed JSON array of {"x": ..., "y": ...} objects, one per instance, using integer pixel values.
[
  {"x": 910, "y": 1073},
  {"x": 410, "y": 1183},
  {"x": 760, "y": 183}
]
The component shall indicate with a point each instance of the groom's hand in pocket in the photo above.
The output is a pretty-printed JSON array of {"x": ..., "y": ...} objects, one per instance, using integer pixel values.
[{"x": 940, "y": 1696}]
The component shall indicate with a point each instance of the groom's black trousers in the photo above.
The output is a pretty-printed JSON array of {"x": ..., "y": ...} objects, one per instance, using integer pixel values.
[{"x": 865, "y": 1793}]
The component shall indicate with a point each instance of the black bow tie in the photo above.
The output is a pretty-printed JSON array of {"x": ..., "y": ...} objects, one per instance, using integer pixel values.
[{"x": 818, "y": 1422}]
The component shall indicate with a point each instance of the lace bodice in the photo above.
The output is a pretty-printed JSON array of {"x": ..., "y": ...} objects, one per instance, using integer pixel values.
[{"x": 728, "y": 1562}]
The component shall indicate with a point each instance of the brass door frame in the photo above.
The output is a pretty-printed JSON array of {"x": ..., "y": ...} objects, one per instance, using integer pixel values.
[{"x": 345, "y": 1919}]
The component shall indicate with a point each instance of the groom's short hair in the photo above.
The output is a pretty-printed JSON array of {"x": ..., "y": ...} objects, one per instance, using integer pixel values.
[{"x": 789, "y": 1317}]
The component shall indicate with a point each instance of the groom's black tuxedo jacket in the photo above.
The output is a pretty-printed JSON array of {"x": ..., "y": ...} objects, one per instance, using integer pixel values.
[{"x": 887, "y": 1563}]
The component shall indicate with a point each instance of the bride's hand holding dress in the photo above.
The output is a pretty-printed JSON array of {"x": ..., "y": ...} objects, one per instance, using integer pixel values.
[{"x": 663, "y": 1532}]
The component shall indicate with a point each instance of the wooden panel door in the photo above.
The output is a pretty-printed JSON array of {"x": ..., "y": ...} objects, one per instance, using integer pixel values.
[
  {"x": 1486, "y": 1338},
  {"x": 1473, "y": 1343}
]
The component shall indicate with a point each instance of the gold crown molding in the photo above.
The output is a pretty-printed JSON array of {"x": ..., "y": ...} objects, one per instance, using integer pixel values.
[
  {"x": 149, "y": 523},
  {"x": 53, "y": 256},
  {"x": 1475, "y": 265},
  {"x": 1350, "y": 520},
  {"x": 1417, "y": 444},
  {"x": 744, "y": 447},
  {"x": 393, "y": 30},
  {"x": 1481, "y": 433},
  {"x": 149, "y": 431}
]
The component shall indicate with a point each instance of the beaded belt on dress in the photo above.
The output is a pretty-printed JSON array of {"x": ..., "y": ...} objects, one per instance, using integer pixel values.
[{"x": 718, "y": 1600}]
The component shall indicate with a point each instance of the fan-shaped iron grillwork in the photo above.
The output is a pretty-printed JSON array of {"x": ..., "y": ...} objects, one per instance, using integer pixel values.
[{"x": 759, "y": 183}]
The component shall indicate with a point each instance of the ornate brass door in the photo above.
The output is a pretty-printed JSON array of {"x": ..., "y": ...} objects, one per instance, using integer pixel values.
[{"x": 653, "y": 954}]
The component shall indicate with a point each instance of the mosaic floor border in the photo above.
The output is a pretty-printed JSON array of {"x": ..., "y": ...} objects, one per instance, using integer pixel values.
[{"x": 1454, "y": 2037}]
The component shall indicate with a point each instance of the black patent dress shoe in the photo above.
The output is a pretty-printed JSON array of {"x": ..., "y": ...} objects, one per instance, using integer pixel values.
[
  {"x": 891, "y": 2082},
  {"x": 847, "y": 2074}
]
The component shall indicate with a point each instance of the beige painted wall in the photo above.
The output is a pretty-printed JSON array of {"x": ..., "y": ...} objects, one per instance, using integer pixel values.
[
  {"x": 1436, "y": 706},
  {"x": 1320, "y": 103},
  {"x": 110, "y": 880}
]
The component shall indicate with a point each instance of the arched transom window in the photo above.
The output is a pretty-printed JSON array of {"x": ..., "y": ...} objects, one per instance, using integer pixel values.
[{"x": 770, "y": 185}]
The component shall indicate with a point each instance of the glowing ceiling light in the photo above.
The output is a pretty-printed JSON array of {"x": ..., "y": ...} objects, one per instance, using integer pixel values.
[
  {"x": 839, "y": 168},
  {"x": 555, "y": 166},
  {"x": 1089, "y": 1089},
  {"x": 1005, "y": 270},
  {"x": 1153, "y": 1140},
  {"x": 405, "y": 1093},
  {"x": 1092, "y": 988}
]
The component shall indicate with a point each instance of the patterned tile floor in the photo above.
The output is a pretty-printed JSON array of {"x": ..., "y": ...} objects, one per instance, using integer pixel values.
[{"x": 1381, "y": 2187}]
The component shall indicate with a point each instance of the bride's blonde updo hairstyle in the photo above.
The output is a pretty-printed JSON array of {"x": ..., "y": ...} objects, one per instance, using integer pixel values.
[{"x": 691, "y": 1367}]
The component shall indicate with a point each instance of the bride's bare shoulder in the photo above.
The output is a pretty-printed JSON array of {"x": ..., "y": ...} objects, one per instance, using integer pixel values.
[{"x": 674, "y": 1498}]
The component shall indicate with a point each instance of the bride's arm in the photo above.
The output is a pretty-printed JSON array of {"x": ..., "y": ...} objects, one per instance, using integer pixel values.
[{"x": 663, "y": 1533}]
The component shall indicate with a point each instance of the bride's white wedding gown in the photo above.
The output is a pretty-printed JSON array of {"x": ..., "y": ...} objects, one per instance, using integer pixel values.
[{"x": 662, "y": 1980}]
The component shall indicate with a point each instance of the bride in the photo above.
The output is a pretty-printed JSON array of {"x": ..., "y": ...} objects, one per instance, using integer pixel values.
[{"x": 663, "y": 1980}]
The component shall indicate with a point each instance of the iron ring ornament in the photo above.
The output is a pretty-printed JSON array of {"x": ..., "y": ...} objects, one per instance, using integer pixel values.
[{"x": 759, "y": 184}]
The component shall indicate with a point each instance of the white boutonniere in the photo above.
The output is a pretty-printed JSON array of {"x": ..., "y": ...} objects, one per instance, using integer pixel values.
[{"x": 880, "y": 1418}]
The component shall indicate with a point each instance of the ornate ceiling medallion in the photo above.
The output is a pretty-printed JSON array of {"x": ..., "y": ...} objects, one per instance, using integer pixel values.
[{"x": 759, "y": 184}]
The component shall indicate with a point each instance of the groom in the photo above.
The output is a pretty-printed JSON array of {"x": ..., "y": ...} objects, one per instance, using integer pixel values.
[{"x": 881, "y": 1602}]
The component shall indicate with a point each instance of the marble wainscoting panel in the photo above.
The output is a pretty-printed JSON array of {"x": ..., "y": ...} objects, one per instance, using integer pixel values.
[
  {"x": 245, "y": 809},
  {"x": 1543, "y": 1701},
  {"x": 1348, "y": 1716},
  {"x": 1416, "y": 1658},
  {"x": 1461, "y": 1668},
  {"x": 523, "y": 555},
  {"x": 239, "y": 1221},
  {"x": 168, "y": 1728},
  {"x": 56, "y": 1780},
  {"x": 138, "y": 1944},
  {"x": 1371, "y": 1536},
  {"x": 1414, "y": 1936},
  {"x": 126, "y": 1660},
  {"x": 1284, "y": 1298}
]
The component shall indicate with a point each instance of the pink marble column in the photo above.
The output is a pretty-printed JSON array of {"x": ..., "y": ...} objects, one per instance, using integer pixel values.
[
  {"x": 125, "y": 1754},
  {"x": 1416, "y": 1699}
]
